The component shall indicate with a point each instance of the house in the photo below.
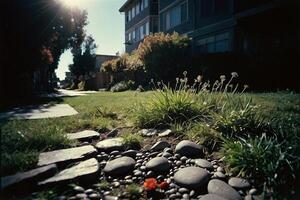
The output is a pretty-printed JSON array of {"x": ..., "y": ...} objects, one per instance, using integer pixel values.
[
  {"x": 260, "y": 35},
  {"x": 141, "y": 19}
]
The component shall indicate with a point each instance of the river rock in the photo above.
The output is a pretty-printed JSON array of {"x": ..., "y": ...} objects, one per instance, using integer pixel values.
[
  {"x": 119, "y": 167},
  {"x": 238, "y": 183},
  {"x": 160, "y": 145},
  {"x": 189, "y": 149},
  {"x": 131, "y": 153},
  {"x": 203, "y": 163},
  {"x": 158, "y": 164},
  {"x": 191, "y": 177},
  {"x": 212, "y": 197},
  {"x": 111, "y": 144},
  {"x": 85, "y": 135},
  {"x": 222, "y": 189},
  {"x": 83, "y": 171},
  {"x": 66, "y": 156}
]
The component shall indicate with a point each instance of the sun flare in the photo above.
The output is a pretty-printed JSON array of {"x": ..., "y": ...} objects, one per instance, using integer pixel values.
[{"x": 73, "y": 3}]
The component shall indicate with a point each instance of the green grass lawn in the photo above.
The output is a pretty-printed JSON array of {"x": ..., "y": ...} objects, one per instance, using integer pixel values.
[{"x": 22, "y": 140}]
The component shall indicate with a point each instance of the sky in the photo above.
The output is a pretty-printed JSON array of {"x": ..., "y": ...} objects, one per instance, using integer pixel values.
[{"x": 106, "y": 25}]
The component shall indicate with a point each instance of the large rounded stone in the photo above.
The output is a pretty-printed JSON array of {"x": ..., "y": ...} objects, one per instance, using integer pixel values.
[
  {"x": 190, "y": 149},
  {"x": 158, "y": 164},
  {"x": 222, "y": 189},
  {"x": 111, "y": 144},
  {"x": 238, "y": 183},
  {"x": 203, "y": 163},
  {"x": 212, "y": 197},
  {"x": 120, "y": 166},
  {"x": 160, "y": 145},
  {"x": 191, "y": 177}
]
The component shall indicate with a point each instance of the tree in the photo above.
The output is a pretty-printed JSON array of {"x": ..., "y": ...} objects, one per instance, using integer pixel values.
[
  {"x": 84, "y": 59},
  {"x": 34, "y": 35}
]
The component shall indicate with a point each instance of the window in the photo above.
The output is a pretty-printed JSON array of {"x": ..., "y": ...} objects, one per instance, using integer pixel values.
[
  {"x": 137, "y": 8},
  {"x": 214, "y": 7},
  {"x": 129, "y": 36},
  {"x": 141, "y": 32},
  {"x": 129, "y": 15},
  {"x": 184, "y": 13},
  {"x": 147, "y": 28},
  {"x": 126, "y": 17},
  {"x": 137, "y": 33},
  {"x": 175, "y": 16},
  {"x": 142, "y": 5},
  {"x": 146, "y": 2},
  {"x": 216, "y": 43},
  {"x": 133, "y": 35},
  {"x": 221, "y": 6},
  {"x": 132, "y": 12}
]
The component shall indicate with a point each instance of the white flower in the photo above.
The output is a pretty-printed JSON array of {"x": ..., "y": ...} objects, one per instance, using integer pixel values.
[{"x": 234, "y": 74}]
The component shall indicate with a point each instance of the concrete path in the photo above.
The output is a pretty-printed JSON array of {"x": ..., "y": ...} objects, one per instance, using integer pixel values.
[
  {"x": 39, "y": 112},
  {"x": 68, "y": 93}
]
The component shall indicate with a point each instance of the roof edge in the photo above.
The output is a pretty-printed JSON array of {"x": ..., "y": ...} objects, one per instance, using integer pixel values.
[{"x": 122, "y": 9}]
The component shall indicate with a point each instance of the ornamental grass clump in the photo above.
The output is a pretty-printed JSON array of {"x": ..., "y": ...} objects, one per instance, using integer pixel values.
[
  {"x": 171, "y": 105},
  {"x": 271, "y": 163}
]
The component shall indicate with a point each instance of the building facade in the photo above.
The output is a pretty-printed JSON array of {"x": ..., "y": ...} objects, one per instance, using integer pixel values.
[
  {"x": 141, "y": 19},
  {"x": 260, "y": 35}
]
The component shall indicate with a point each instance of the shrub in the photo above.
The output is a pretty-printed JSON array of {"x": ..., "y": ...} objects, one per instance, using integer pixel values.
[
  {"x": 122, "y": 86},
  {"x": 164, "y": 55},
  {"x": 81, "y": 85},
  {"x": 265, "y": 159}
]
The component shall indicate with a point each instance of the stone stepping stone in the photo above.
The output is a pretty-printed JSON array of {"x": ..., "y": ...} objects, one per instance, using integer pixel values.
[
  {"x": 81, "y": 172},
  {"x": 165, "y": 133},
  {"x": 65, "y": 156},
  {"x": 120, "y": 166},
  {"x": 203, "y": 163},
  {"x": 189, "y": 149},
  {"x": 238, "y": 183},
  {"x": 148, "y": 132},
  {"x": 191, "y": 177},
  {"x": 158, "y": 164},
  {"x": 111, "y": 144},
  {"x": 222, "y": 189},
  {"x": 85, "y": 135},
  {"x": 212, "y": 197},
  {"x": 28, "y": 178},
  {"x": 160, "y": 145}
]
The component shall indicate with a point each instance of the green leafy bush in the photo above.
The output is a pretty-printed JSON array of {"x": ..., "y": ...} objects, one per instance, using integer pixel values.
[
  {"x": 164, "y": 56},
  {"x": 122, "y": 86},
  {"x": 151, "y": 59},
  {"x": 81, "y": 85}
]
